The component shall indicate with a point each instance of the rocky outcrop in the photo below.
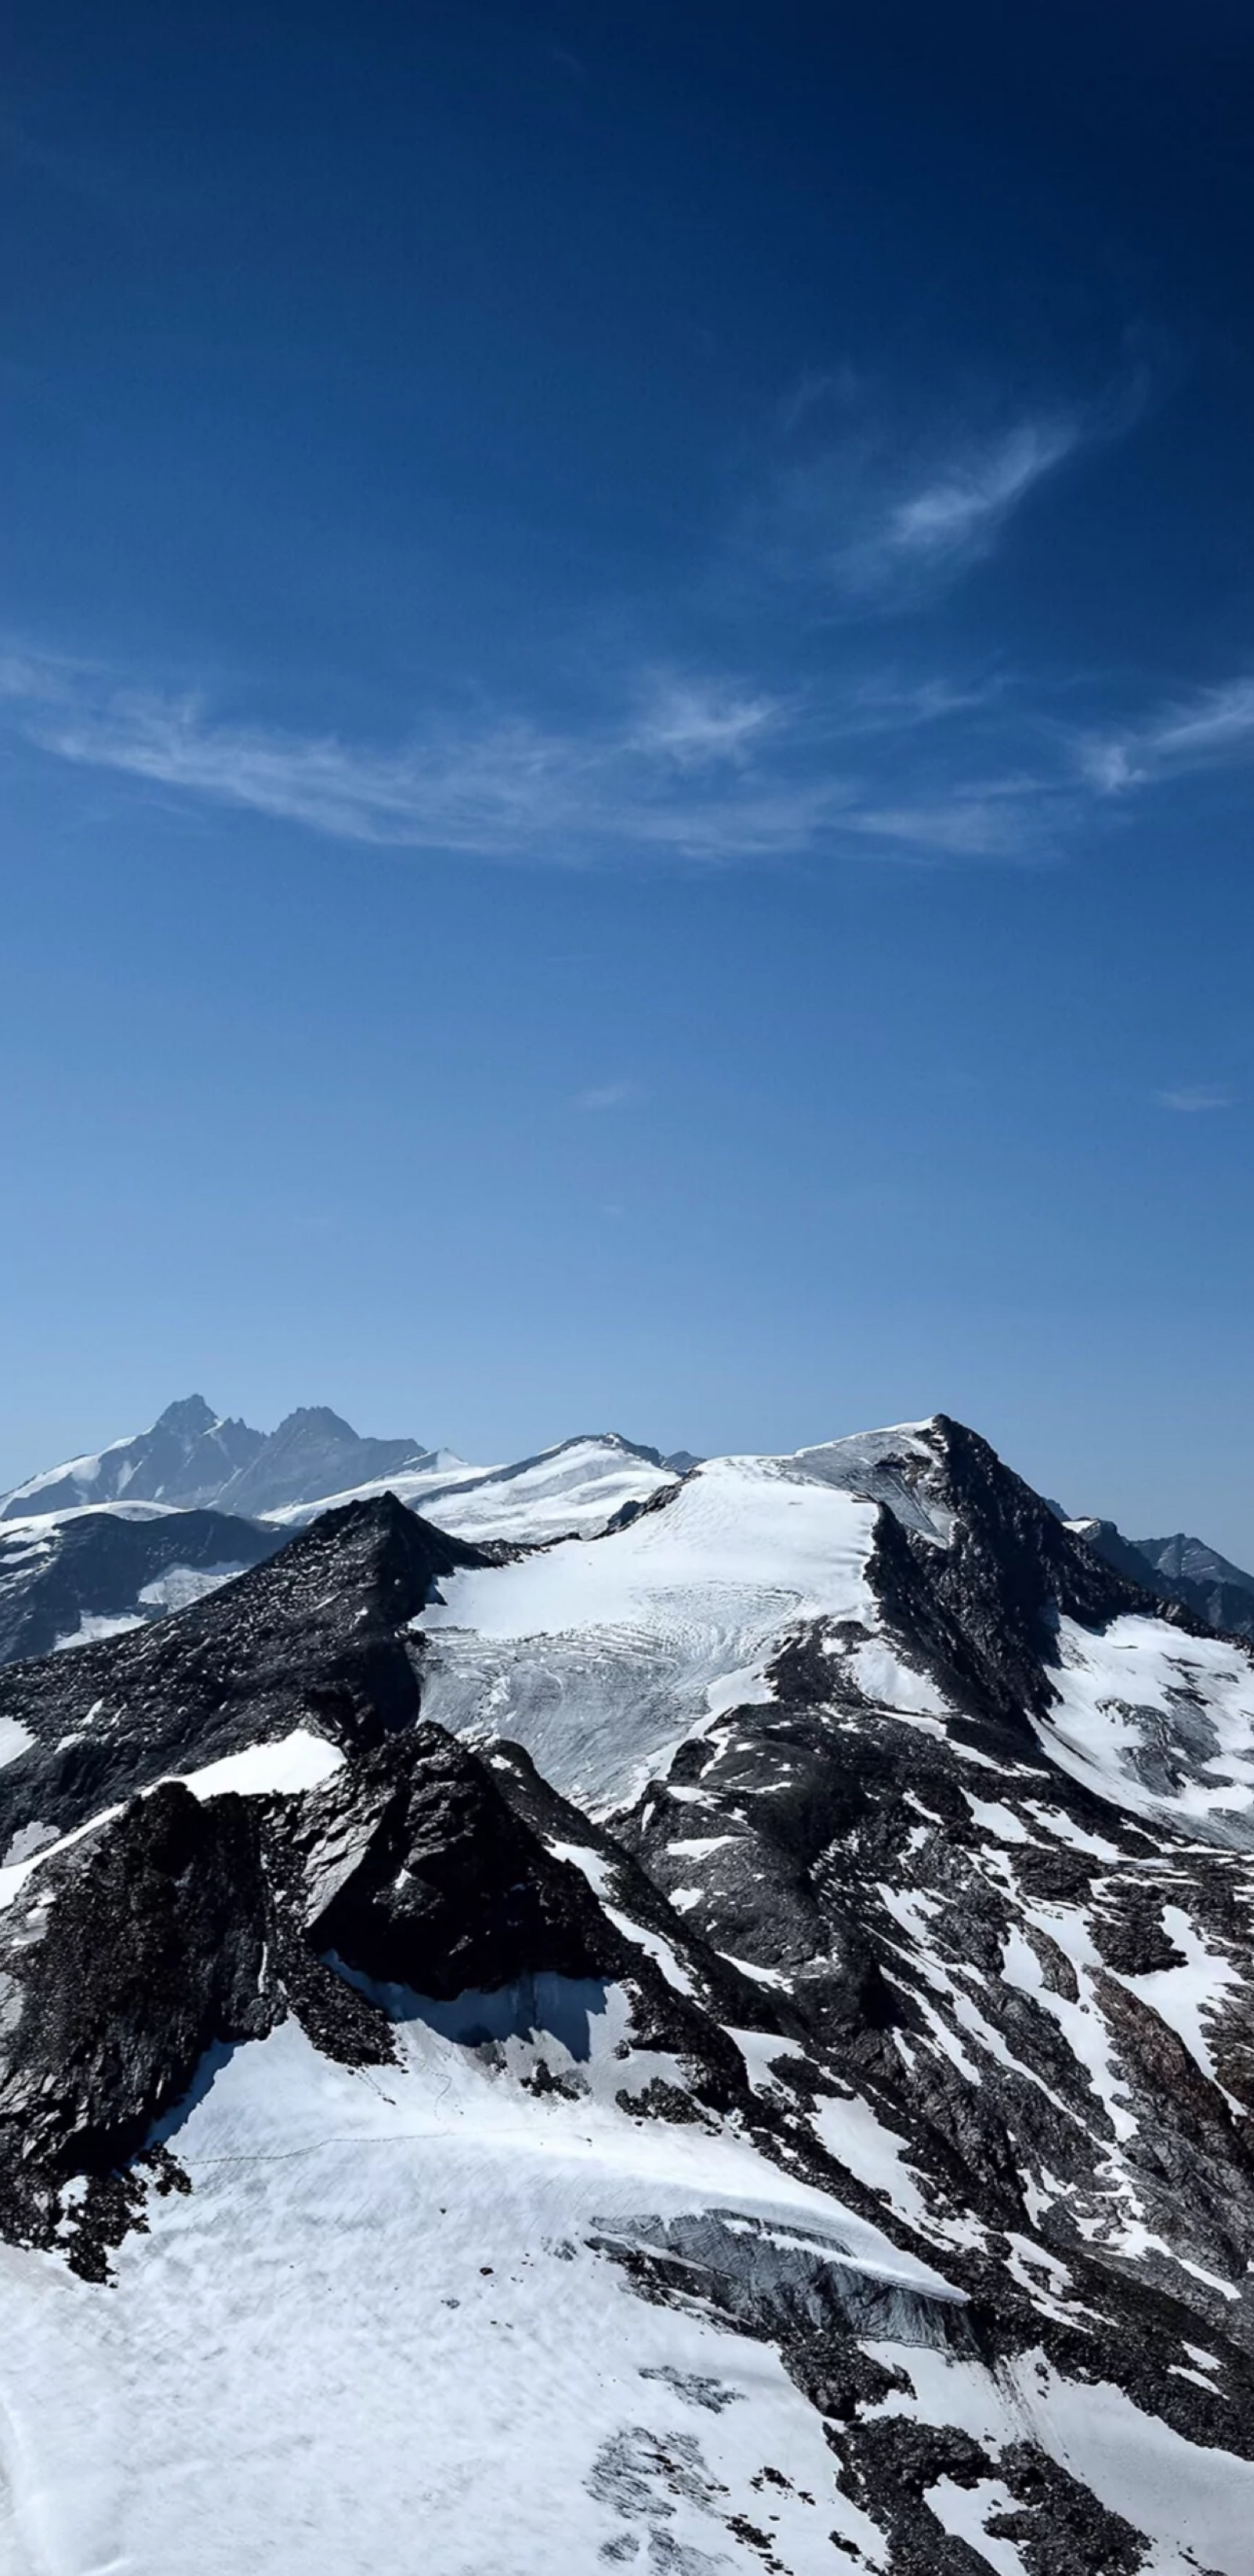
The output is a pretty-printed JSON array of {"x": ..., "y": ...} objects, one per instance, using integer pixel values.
[
  {"x": 314, "y": 1637},
  {"x": 144, "y": 1946},
  {"x": 61, "y": 1583}
]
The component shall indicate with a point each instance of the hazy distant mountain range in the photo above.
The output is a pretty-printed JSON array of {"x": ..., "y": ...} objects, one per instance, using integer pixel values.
[
  {"x": 1180, "y": 1569},
  {"x": 115, "y": 1539},
  {"x": 192, "y": 1457}
]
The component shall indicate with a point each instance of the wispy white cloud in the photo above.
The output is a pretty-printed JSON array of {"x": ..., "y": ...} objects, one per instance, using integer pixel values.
[
  {"x": 694, "y": 723},
  {"x": 884, "y": 704},
  {"x": 960, "y": 513},
  {"x": 487, "y": 792},
  {"x": 1191, "y": 1097},
  {"x": 876, "y": 522},
  {"x": 1213, "y": 726},
  {"x": 688, "y": 763},
  {"x": 991, "y": 825},
  {"x": 690, "y": 768},
  {"x": 608, "y": 1095}
]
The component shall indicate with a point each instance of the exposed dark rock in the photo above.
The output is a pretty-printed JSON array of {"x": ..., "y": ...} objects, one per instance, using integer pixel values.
[
  {"x": 99, "y": 1565},
  {"x": 418, "y": 1873},
  {"x": 137, "y": 1952},
  {"x": 980, "y": 1607},
  {"x": 314, "y": 1638}
]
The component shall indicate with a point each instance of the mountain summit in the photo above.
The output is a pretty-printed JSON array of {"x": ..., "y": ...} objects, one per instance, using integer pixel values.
[{"x": 191, "y": 1458}]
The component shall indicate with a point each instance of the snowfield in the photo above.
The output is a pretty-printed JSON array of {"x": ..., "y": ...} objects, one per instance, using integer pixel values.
[
  {"x": 1159, "y": 1722},
  {"x": 375, "y": 2336},
  {"x": 385, "y": 2330},
  {"x": 576, "y": 1487},
  {"x": 600, "y": 1656}
]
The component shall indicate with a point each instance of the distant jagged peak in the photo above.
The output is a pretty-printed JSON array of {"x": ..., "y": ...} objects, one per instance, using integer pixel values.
[
  {"x": 1179, "y": 1569},
  {"x": 1194, "y": 1559},
  {"x": 315, "y": 1420},
  {"x": 313, "y": 1454},
  {"x": 187, "y": 1418},
  {"x": 193, "y": 1458}
]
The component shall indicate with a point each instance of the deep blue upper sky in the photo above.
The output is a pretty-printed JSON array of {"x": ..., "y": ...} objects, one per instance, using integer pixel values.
[{"x": 628, "y": 699}]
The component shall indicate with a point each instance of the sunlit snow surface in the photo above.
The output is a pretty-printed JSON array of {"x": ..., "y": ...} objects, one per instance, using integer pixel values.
[
  {"x": 1159, "y": 1722},
  {"x": 374, "y": 2336},
  {"x": 378, "y": 2334},
  {"x": 1196, "y": 2503},
  {"x": 578, "y": 1486},
  {"x": 599, "y": 1655}
]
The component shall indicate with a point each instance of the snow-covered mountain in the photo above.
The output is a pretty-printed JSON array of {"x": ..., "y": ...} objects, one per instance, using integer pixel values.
[
  {"x": 193, "y": 1458},
  {"x": 576, "y": 1488},
  {"x": 185, "y": 1458},
  {"x": 70, "y": 1575},
  {"x": 788, "y": 2108},
  {"x": 77, "y": 1576},
  {"x": 1180, "y": 1569}
]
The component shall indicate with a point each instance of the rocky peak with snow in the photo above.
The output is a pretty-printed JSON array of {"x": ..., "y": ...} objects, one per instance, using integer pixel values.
[
  {"x": 191, "y": 1457},
  {"x": 72, "y": 1578},
  {"x": 185, "y": 1458},
  {"x": 744, "y": 2013},
  {"x": 1179, "y": 1569}
]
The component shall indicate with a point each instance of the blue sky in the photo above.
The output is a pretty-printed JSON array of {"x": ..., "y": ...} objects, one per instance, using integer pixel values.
[{"x": 627, "y": 698}]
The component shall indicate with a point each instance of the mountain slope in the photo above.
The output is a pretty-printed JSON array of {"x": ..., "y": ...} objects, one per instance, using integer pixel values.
[
  {"x": 185, "y": 1458},
  {"x": 1179, "y": 1569},
  {"x": 314, "y": 1637},
  {"x": 313, "y": 1453},
  {"x": 599, "y": 1656},
  {"x": 573, "y": 1489},
  {"x": 837, "y": 2155},
  {"x": 70, "y": 1579},
  {"x": 192, "y": 1457},
  {"x": 1193, "y": 1560}
]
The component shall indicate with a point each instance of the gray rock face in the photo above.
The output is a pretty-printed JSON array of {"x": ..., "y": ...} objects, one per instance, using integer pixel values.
[
  {"x": 192, "y": 1457},
  {"x": 186, "y": 1458},
  {"x": 314, "y": 1637},
  {"x": 312, "y": 1453},
  {"x": 1180, "y": 1569},
  {"x": 1191, "y": 1560},
  {"x": 59, "y": 1584}
]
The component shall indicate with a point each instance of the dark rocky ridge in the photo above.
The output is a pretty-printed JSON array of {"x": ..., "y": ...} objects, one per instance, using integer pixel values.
[
  {"x": 98, "y": 1564},
  {"x": 180, "y": 1927},
  {"x": 1183, "y": 1570},
  {"x": 313, "y": 1637},
  {"x": 980, "y": 1609},
  {"x": 146, "y": 1945}
]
